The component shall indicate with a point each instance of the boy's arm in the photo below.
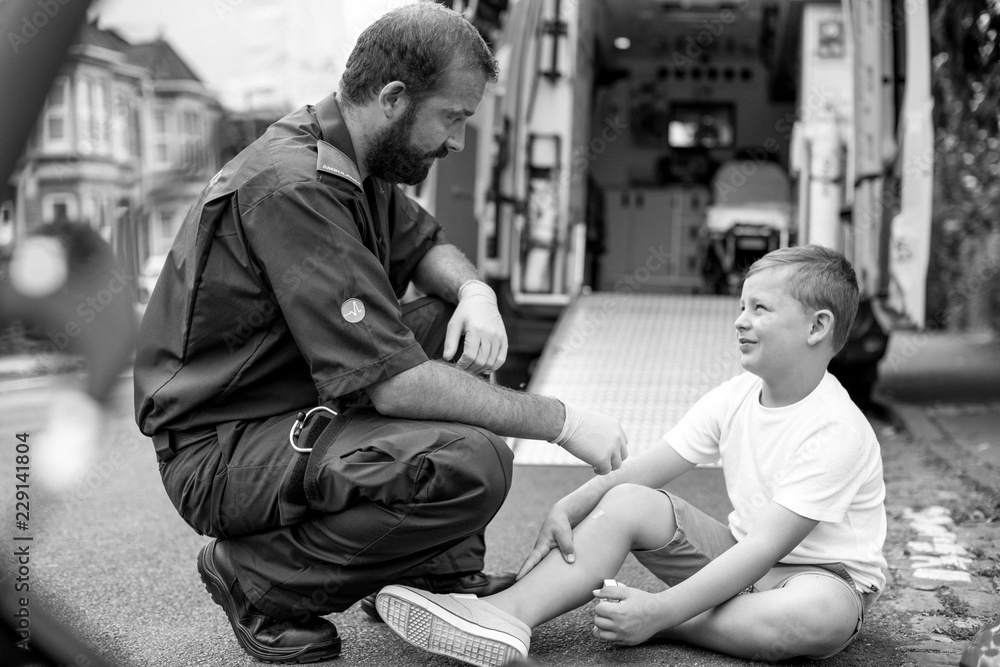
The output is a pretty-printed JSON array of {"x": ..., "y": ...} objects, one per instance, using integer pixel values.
[
  {"x": 776, "y": 533},
  {"x": 654, "y": 468}
]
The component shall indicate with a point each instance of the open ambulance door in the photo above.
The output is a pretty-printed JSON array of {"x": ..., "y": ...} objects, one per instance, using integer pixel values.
[
  {"x": 532, "y": 234},
  {"x": 890, "y": 237},
  {"x": 532, "y": 230},
  {"x": 889, "y": 180}
]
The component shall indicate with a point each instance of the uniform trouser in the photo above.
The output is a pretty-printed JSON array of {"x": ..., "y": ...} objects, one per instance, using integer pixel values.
[{"x": 385, "y": 498}]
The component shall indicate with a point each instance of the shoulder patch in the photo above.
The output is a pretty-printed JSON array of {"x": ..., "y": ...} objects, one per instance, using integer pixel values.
[{"x": 333, "y": 161}]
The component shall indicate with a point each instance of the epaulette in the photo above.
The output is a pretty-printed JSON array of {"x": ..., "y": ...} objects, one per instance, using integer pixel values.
[{"x": 331, "y": 160}]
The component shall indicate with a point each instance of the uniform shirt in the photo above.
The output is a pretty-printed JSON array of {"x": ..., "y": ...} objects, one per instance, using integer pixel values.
[
  {"x": 818, "y": 458},
  {"x": 281, "y": 288}
]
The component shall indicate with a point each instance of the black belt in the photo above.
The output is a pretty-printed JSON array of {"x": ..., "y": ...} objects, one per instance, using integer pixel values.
[{"x": 169, "y": 443}]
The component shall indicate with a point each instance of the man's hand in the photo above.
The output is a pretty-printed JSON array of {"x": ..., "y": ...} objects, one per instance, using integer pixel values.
[
  {"x": 594, "y": 438},
  {"x": 478, "y": 318}
]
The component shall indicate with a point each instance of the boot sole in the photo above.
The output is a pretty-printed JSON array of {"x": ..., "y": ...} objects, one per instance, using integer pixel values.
[
  {"x": 216, "y": 587},
  {"x": 369, "y": 608}
]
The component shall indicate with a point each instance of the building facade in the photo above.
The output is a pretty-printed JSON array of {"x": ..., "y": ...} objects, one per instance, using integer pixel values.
[{"x": 127, "y": 138}]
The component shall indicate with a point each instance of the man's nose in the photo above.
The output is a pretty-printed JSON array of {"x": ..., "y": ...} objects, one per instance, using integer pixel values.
[{"x": 456, "y": 141}]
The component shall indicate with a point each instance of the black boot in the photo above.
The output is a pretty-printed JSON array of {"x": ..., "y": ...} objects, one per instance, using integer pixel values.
[{"x": 261, "y": 636}]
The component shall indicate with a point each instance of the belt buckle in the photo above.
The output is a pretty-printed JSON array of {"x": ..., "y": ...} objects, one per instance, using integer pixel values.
[{"x": 300, "y": 422}]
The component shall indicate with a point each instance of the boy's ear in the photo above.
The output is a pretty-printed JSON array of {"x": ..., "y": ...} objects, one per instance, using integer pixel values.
[
  {"x": 392, "y": 98},
  {"x": 821, "y": 327}
]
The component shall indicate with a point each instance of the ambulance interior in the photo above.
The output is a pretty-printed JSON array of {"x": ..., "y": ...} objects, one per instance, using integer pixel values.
[{"x": 693, "y": 108}]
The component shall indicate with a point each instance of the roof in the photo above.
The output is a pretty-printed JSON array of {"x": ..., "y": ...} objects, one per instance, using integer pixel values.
[
  {"x": 157, "y": 56},
  {"x": 103, "y": 37},
  {"x": 161, "y": 60}
]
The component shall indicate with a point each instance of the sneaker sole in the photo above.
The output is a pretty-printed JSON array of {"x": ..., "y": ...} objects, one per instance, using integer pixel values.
[
  {"x": 442, "y": 632},
  {"x": 216, "y": 587},
  {"x": 368, "y": 602}
]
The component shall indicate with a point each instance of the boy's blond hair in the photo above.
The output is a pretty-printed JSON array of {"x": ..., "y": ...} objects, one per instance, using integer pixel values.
[{"x": 818, "y": 278}]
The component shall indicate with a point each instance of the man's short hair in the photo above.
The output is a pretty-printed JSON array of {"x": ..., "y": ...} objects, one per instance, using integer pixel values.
[
  {"x": 416, "y": 44},
  {"x": 818, "y": 278}
]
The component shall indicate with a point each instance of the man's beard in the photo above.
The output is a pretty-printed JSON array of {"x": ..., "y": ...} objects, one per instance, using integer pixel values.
[{"x": 391, "y": 156}]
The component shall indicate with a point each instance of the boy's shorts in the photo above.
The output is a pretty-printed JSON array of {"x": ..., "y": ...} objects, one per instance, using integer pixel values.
[{"x": 700, "y": 539}]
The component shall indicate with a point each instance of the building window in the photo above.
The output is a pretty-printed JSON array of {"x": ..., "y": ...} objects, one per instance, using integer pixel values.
[
  {"x": 84, "y": 108},
  {"x": 123, "y": 115},
  {"x": 59, "y": 206},
  {"x": 92, "y": 211},
  {"x": 134, "y": 140},
  {"x": 165, "y": 226},
  {"x": 161, "y": 138},
  {"x": 100, "y": 116},
  {"x": 6, "y": 223},
  {"x": 192, "y": 142},
  {"x": 56, "y": 108},
  {"x": 119, "y": 125}
]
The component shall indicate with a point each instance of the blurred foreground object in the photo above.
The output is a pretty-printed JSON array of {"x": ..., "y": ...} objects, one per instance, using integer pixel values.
[
  {"x": 38, "y": 34},
  {"x": 64, "y": 450},
  {"x": 984, "y": 649},
  {"x": 63, "y": 281}
]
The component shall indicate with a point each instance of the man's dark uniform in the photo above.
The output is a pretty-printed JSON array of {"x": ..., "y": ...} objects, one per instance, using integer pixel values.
[{"x": 281, "y": 293}]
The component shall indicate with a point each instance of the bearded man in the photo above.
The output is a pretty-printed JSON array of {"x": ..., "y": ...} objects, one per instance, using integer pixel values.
[{"x": 301, "y": 414}]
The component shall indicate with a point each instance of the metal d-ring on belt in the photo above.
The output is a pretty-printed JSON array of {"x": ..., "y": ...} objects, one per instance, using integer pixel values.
[{"x": 300, "y": 422}]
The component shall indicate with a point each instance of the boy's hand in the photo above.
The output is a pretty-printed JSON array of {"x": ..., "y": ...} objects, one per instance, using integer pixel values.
[
  {"x": 626, "y": 615},
  {"x": 556, "y": 532},
  {"x": 594, "y": 438}
]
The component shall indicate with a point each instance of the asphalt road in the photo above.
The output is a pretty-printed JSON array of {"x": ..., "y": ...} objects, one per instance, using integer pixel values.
[{"x": 118, "y": 565}]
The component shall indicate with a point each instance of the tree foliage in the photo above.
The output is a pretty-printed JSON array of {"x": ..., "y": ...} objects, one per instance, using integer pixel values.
[{"x": 965, "y": 279}]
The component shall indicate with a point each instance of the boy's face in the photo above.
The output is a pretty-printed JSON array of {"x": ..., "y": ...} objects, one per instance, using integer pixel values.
[{"x": 773, "y": 327}]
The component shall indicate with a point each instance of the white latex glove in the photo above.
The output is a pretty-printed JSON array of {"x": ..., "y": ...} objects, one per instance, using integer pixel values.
[
  {"x": 479, "y": 319},
  {"x": 594, "y": 438},
  {"x": 68, "y": 444}
]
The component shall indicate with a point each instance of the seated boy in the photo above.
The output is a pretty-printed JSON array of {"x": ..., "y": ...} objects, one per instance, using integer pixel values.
[{"x": 800, "y": 561}]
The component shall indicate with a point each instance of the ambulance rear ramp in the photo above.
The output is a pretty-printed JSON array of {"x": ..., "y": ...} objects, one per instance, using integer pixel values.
[{"x": 641, "y": 358}]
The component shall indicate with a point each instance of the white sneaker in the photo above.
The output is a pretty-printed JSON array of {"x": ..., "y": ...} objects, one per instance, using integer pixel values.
[{"x": 458, "y": 626}]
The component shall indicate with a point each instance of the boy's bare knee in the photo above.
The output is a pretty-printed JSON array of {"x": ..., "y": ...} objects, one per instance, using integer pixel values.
[
  {"x": 630, "y": 506},
  {"x": 624, "y": 499},
  {"x": 816, "y": 629},
  {"x": 796, "y": 636},
  {"x": 826, "y": 632}
]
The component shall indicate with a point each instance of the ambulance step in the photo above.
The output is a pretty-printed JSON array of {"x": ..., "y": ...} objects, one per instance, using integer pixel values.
[{"x": 641, "y": 358}]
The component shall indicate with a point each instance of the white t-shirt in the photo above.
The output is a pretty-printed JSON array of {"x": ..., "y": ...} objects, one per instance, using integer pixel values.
[{"x": 818, "y": 458}]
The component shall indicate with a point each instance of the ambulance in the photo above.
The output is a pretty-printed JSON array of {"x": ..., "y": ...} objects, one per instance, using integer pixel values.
[{"x": 637, "y": 155}]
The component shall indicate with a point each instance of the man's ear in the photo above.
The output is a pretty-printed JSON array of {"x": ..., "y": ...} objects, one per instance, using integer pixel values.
[
  {"x": 392, "y": 98},
  {"x": 821, "y": 327}
]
